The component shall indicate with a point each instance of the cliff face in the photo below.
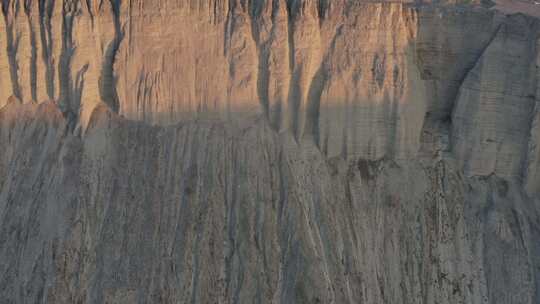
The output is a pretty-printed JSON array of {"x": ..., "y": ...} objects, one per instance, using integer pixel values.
[{"x": 285, "y": 151}]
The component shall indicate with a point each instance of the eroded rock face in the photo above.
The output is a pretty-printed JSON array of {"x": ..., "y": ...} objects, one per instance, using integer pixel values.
[{"x": 268, "y": 152}]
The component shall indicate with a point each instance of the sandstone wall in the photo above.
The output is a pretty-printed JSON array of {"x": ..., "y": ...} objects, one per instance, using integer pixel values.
[{"x": 285, "y": 151}]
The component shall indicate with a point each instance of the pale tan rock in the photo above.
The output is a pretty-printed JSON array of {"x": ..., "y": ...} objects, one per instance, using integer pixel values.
[{"x": 268, "y": 151}]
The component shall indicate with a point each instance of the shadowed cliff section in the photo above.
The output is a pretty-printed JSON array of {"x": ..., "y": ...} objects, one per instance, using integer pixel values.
[{"x": 200, "y": 212}]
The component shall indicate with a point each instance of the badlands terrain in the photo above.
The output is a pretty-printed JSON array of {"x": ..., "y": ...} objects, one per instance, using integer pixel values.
[{"x": 269, "y": 151}]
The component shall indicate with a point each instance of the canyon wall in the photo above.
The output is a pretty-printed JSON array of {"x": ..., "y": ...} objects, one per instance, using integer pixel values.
[{"x": 268, "y": 151}]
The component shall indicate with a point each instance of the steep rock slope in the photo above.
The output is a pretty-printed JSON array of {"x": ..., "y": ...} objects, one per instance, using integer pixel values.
[{"x": 293, "y": 151}]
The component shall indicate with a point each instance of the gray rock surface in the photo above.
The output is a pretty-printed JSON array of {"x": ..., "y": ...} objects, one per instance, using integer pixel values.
[{"x": 268, "y": 151}]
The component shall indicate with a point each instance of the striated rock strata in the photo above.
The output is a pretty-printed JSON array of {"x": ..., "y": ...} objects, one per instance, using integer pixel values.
[{"x": 268, "y": 151}]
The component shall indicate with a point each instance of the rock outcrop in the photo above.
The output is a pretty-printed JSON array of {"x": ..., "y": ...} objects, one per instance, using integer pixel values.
[{"x": 268, "y": 151}]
